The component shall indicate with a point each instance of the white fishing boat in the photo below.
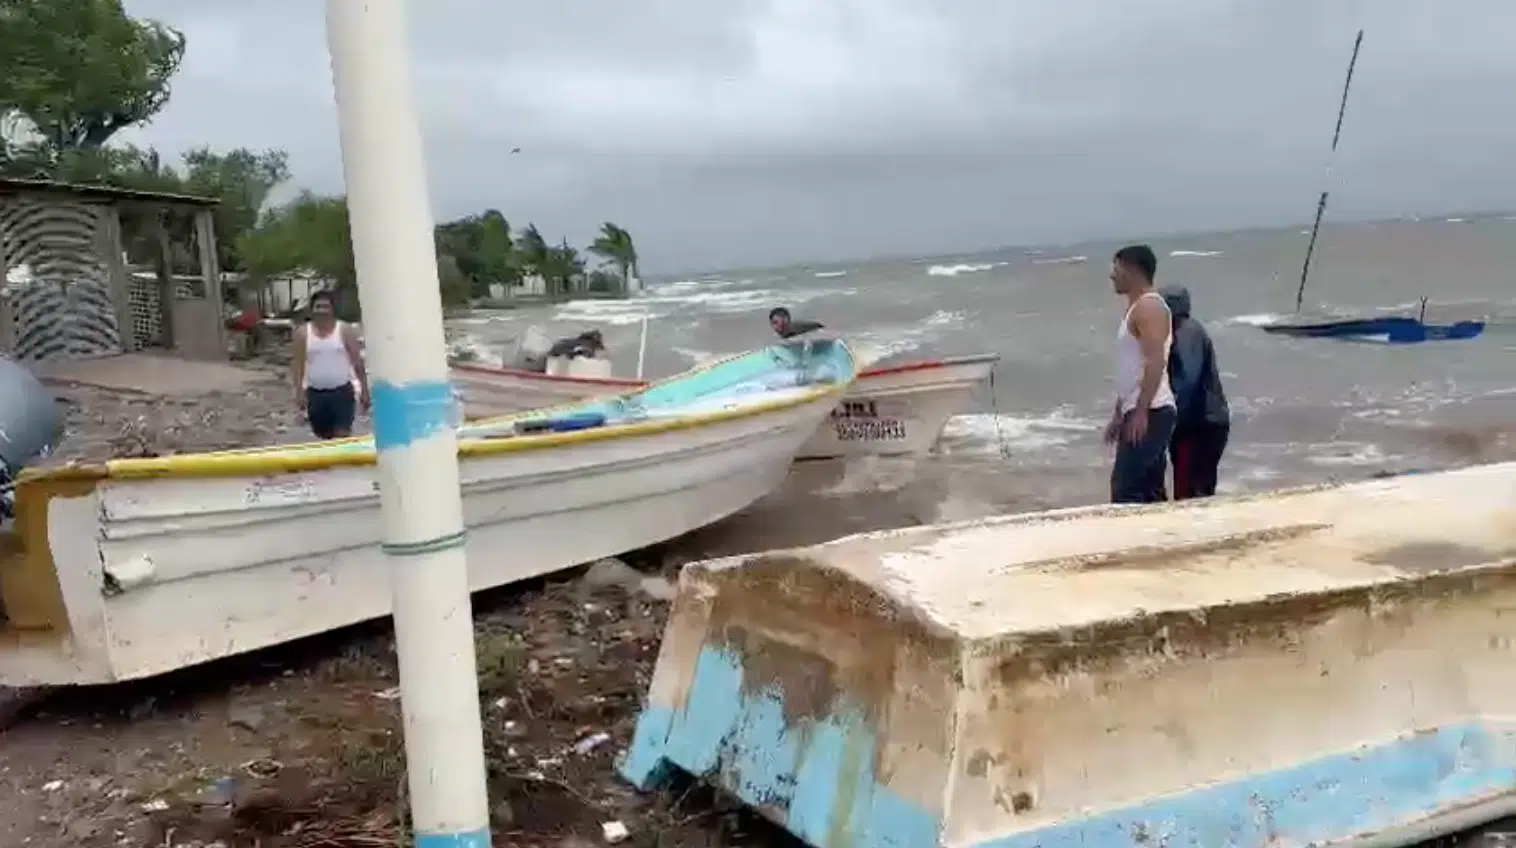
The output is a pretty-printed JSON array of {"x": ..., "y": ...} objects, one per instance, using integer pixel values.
[
  {"x": 136, "y": 567},
  {"x": 891, "y": 411}
]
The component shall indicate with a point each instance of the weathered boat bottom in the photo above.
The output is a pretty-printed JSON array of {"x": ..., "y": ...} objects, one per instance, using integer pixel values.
[
  {"x": 1289, "y": 674},
  {"x": 1396, "y": 793}
]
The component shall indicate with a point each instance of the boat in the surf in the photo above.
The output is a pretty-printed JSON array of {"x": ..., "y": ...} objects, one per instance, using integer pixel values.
[
  {"x": 1390, "y": 329},
  {"x": 1383, "y": 329},
  {"x": 897, "y": 410},
  {"x": 135, "y": 567}
]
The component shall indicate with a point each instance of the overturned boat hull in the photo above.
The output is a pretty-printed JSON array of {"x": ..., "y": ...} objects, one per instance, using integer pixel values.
[
  {"x": 1323, "y": 667},
  {"x": 139, "y": 567},
  {"x": 892, "y": 411}
]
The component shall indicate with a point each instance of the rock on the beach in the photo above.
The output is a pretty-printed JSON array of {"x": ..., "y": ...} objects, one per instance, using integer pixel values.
[
  {"x": 248, "y": 718},
  {"x": 613, "y": 573}
]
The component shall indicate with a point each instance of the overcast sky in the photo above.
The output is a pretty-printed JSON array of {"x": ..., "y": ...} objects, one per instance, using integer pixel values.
[{"x": 738, "y": 132}]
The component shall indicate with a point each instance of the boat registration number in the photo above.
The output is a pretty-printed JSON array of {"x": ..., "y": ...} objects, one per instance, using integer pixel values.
[{"x": 869, "y": 431}]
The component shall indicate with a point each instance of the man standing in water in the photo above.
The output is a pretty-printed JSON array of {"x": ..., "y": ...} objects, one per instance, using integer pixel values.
[
  {"x": 1142, "y": 421},
  {"x": 327, "y": 359},
  {"x": 788, "y": 328},
  {"x": 1204, "y": 421}
]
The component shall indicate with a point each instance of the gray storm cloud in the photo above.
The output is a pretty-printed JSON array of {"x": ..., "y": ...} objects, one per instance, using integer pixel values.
[{"x": 763, "y": 131}]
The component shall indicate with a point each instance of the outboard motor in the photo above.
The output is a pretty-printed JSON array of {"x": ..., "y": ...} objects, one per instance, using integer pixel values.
[{"x": 30, "y": 427}]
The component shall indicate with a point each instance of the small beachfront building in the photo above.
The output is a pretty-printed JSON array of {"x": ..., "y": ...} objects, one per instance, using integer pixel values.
[{"x": 94, "y": 271}]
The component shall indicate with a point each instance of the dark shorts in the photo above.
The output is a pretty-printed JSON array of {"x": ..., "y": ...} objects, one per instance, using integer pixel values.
[
  {"x": 1137, "y": 475},
  {"x": 331, "y": 411}
]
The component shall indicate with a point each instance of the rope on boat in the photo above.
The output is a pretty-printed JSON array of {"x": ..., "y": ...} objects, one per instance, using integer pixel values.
[{"x": 1005, "y": 450}]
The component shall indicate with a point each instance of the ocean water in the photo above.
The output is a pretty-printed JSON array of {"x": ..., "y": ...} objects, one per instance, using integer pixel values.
[{"x": 1304, "y": 411}]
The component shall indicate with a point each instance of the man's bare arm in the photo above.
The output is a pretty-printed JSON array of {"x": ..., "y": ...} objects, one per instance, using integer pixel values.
[
  {"x": 297, "y": 359},
  {"x": 355, "y": 356},
  {"x": 1151, "y": 325}
]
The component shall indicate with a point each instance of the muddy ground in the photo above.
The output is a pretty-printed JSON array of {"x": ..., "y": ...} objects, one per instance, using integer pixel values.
[{"x": 299, "y": 747}]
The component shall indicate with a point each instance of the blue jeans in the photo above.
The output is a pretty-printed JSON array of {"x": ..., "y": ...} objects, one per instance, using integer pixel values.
[{"x": 1137, "y": 475}]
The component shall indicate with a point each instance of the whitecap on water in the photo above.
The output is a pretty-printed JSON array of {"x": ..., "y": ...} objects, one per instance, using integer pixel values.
[
  {"x": 867, "y": 474},
  {"x": 1350, "y": 454},
  {"x": 1258, "y": 319},
  {"x": 1062, "y": 260},
  {"x": 672, "y": 298},
  {"x": 981, "y": 434},
  {"x": 884, "y": 342},
  {"x": 955, "y": 270}
]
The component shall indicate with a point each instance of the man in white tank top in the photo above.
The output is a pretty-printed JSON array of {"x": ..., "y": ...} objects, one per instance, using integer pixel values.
[
  {"x": 1143, "y": 419},
  {"x": 327, "y": 361}
]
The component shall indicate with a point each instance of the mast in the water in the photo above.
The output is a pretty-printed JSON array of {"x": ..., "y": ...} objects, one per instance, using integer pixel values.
[{"x": 1321, "y": 204}]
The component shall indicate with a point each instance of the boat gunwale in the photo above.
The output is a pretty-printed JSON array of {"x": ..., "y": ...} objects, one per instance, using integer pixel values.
[
  {"x": 311, "y": 456},
  {"x": 903, "y": 368}
]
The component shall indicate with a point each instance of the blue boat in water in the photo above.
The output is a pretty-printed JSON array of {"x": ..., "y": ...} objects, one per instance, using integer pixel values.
[
  {"x": 1391, "y": 329},
  {"x": 1383, "y": 329}
]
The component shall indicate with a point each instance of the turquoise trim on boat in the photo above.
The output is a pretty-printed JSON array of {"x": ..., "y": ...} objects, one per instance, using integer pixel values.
[{"x": 789, "y": 366}]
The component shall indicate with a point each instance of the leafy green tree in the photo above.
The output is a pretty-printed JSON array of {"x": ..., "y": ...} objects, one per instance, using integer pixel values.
[
  {"x": 241, "y": 180},
  {"x": 76, "y": 72},
  {"x": 615, "y": 245},
  {"x": 482, "y": 248},
  {"x": 308, "y": 235}
]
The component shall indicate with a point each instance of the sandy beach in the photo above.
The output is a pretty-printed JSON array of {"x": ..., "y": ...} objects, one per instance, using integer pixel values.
[{"x": 299, "y": 746}]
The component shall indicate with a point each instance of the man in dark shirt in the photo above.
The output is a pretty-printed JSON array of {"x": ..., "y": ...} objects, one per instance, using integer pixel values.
[
  {"x": 1200, "y": 435},
  {"x": 787, "y": 327}
]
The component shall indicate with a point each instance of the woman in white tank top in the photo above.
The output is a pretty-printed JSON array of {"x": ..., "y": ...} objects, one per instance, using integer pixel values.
[
  {"x": 1141, "y": 426},
  {"x": 326, "y": 365}
]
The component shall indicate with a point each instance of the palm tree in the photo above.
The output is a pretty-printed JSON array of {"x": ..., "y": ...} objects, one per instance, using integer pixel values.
[
  {"x": 532, "y": 249},
  {"x": 560, "y": 266},
  {"x": 615, "y": 245}
]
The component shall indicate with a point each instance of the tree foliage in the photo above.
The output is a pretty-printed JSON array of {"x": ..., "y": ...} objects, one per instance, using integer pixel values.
[
  {"x": 73, "y": 73},
  {"x": 242, "y": 180},
  {"x": 76, "y": 72},
  {"x": 481, "y": 249},
  {"x": 308, "y": 235},
  {"x": 615, "y": 245}
]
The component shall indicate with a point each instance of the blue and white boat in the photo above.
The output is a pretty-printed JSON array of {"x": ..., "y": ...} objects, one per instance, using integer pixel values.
[
  {"x": 1389, "y": 329},
  {"x": 137, "y": 567}
]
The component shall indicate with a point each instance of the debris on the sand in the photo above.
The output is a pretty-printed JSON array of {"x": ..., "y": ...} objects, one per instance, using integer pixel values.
[
  {"x": 614, "y": 573},
  {"x": 591, "y": 742},
  {"x": 262, "y": 768},
  {"x": 220, "y": 793},
  {"x": 615, "y": 832},
  {"x": 52, "y": 786},
  {"x": 609, "y": 572},
  {"x": 247, "y": 718},
  {"x": 157, "y": 805}
]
